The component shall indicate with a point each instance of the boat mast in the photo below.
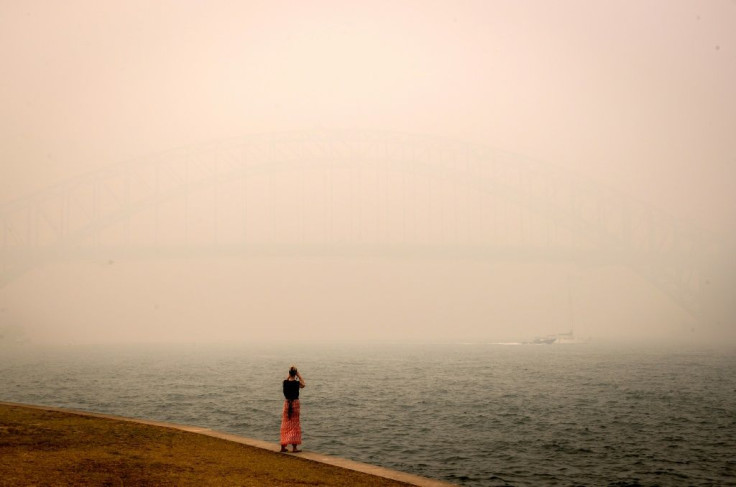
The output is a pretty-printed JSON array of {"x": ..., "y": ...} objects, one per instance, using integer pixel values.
[{"x": 569, "y": 305}]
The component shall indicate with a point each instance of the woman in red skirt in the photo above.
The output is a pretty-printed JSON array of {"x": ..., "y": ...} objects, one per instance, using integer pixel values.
[{"x": 291, "y": 429}]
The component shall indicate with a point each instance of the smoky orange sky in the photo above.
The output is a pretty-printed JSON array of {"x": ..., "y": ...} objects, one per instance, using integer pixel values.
[{"x": 637, "y": 96}]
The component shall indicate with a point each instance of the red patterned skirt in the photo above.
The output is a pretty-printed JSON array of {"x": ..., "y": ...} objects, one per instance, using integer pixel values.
[{"x": 291, "y": 429}]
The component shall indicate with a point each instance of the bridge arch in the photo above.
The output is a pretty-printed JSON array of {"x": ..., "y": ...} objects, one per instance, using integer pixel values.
[{"x": 652, "y": 243}]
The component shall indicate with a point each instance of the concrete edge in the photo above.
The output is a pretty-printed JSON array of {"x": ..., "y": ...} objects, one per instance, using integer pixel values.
[{"x": 374, "y": 470}]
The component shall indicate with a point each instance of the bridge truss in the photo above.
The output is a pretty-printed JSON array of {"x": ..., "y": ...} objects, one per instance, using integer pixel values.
[{"x": 351, "y": 193}]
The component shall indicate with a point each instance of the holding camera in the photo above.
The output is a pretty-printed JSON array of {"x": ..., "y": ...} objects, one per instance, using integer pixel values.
[{"x": 291, "y": 429}]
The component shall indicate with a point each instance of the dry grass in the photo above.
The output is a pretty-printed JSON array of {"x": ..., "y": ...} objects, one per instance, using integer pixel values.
[{"x": 46, "y": 448}]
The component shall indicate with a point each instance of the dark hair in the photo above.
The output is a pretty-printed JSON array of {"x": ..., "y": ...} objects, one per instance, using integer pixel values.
[{"x": 292, "y": 371}]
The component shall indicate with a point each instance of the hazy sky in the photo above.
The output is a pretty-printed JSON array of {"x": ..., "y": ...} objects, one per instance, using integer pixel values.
[{"x": 635, "y": 95}]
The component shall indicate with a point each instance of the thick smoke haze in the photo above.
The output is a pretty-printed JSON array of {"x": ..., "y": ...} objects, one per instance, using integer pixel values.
[{"x": 635, "y": 97}]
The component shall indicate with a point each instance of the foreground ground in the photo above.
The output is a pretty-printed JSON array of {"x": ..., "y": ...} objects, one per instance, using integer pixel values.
[{"x": 49, "y": 448}]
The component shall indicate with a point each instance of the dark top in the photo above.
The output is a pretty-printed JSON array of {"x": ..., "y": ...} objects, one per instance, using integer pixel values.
[{"x": 291, "y": 389}]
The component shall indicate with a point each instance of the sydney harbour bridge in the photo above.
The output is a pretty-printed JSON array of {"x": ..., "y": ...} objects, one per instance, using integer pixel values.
[{"x": 351, "y": 194}]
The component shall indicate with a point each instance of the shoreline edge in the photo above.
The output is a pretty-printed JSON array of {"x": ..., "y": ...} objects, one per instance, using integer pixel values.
[{"x": 344, "y": 463}]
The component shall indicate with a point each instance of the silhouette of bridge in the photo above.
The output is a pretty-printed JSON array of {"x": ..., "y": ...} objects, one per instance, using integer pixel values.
[{"x": 350, "y": 194}]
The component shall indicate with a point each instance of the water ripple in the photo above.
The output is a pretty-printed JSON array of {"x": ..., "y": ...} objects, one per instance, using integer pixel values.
[{"x": 473, "y": 415}]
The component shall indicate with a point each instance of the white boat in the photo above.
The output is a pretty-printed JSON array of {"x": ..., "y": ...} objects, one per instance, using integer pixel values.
[
  {"x": 545, "y": 340},
  {"x": 560, "y": 338}
]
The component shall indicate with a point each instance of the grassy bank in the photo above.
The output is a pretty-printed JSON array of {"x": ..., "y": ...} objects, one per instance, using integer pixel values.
[{"x": 52, "y": 448}]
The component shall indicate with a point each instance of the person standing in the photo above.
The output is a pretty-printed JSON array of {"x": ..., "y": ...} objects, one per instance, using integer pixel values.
[{"x": 291, "y": 428}]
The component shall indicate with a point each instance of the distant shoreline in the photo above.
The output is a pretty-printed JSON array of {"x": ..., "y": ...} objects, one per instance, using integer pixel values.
[{"x": 58, "y": 446}]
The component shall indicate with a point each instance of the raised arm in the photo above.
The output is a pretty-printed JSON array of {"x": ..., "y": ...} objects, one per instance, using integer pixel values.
[{"x": 301, "y": 381}]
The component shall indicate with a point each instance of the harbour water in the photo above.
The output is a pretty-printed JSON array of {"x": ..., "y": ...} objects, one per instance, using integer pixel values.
[{"x": 473, "y": 414}]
